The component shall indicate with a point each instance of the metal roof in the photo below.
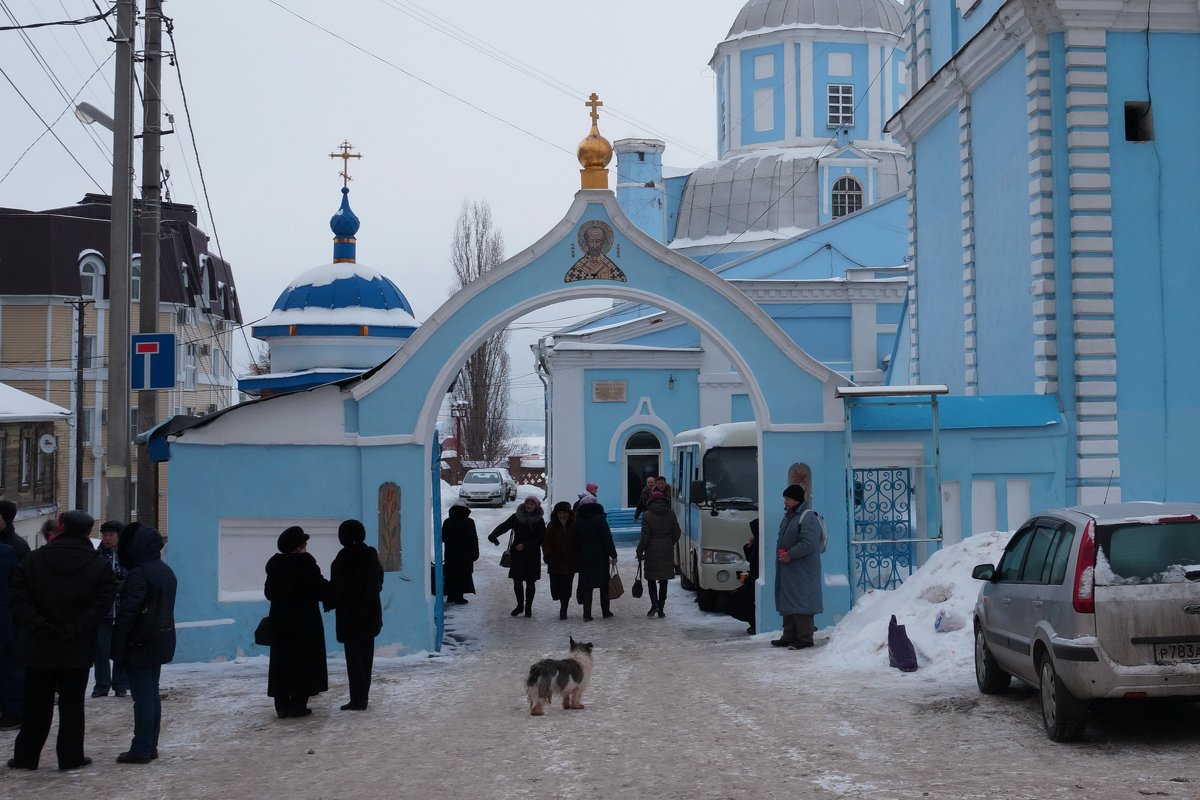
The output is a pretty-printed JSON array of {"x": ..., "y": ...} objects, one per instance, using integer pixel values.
[{"x": 760, "y": 16}]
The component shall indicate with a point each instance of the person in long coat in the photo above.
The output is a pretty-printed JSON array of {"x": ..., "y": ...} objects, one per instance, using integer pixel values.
[
  {"x": 562, "y": 555},
  {"x": 656, "y": 549},
  {"x": 143, "y": 637},
  {"x": 741, "y": 603},
  {"x": 798, "y": 576},
  {"x": 355, "y": 582},
  {"x": 597, "y": 555},
  {"x": 528, "y": 531},
  {"x": 59, "y": 593},
  {"x": 295, "y": 587},
  {"x": 460, "y": 551}
]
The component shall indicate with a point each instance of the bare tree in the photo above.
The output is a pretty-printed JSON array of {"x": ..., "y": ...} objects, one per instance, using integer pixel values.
[
  {"x": 260, "y": 363},
  {"x": 482, "y": 385}
]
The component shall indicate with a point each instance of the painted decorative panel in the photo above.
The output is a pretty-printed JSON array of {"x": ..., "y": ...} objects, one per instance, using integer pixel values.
[{"x": 389, "y": 527}]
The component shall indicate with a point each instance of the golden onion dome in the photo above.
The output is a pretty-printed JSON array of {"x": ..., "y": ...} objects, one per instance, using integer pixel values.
[{"x": 595, "y": 152}]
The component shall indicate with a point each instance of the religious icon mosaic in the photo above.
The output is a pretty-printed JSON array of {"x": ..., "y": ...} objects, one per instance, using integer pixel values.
[{"x": 595, "y": 239}]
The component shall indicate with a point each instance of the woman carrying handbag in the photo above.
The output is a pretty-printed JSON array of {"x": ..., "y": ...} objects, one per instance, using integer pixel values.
[
  {"x": 656, "y": 550},
  {"x": 528, "y": 530}
]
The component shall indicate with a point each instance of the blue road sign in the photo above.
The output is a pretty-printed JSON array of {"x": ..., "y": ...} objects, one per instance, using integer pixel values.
[{"x": 152, "y": 361}]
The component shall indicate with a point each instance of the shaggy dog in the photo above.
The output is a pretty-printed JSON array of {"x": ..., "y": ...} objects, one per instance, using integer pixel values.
[{"x": 567, "y": 676}]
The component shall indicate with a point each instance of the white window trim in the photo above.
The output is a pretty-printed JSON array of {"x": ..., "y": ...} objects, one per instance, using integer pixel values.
[{"x": 838, "y": 98}]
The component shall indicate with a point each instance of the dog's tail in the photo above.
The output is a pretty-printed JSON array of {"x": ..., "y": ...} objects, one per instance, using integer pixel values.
[{"x": 539, "y": 685}]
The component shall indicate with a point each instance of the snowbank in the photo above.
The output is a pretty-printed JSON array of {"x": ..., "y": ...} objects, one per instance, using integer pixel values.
[{"x": 859, "y": 641}]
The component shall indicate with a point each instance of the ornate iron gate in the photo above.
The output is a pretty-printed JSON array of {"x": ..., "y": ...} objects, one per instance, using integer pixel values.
[{"x": 883, "y": 544}]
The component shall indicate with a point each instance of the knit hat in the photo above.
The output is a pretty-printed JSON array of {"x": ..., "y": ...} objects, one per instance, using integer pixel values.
[
  {"x": 351, "y": 532},
  {"x": 77, "y": 524},
  {"x": 592, "y": 488},
  {"x": 587, "y": 499},
  {"x": 292, "y": 539},
  {"x": 562, "y": 505},
  {"x": 795, "y": 491}
]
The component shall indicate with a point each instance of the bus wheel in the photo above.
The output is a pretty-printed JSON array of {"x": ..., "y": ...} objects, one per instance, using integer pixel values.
[{"x": 706, "y": 599}]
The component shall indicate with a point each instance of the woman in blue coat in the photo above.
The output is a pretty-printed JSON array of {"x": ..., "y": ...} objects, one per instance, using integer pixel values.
[{"x": 798, "y": 575}]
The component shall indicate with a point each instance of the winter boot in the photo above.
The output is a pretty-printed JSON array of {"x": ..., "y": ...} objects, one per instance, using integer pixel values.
[{"x": 653, "y": 610}]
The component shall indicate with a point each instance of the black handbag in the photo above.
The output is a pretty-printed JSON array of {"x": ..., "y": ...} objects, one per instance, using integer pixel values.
[
  {"x": 637, "y": 590},
  {"x": 506, "y": 559},
  {"x": 262, "y": 634}
]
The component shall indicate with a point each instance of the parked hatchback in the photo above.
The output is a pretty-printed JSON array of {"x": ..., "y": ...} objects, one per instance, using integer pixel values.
[
  {"x": 486, "y": 486},
  {"x": 1093, "y": 602}
]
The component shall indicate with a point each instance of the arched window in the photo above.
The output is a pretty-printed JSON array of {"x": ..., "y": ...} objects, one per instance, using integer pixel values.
[
  {"x": 91, "y": 277},
  {"x": 847, "y": 196},
  {"x": 135, "y": 281},
  {"x": 642, "y": 440}
]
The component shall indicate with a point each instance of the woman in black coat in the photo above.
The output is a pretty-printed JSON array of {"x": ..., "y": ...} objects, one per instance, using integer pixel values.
[
  {"x": 143, "y": 637},
  {"x": 355, "y": 581},
  {"x": 295, "y": 588},
  {"x": 460, "y": 551},
  {"x": 528, "y": 531},
  {"x": 656, "y": 549},
  {"x": 597, "y": 554}
]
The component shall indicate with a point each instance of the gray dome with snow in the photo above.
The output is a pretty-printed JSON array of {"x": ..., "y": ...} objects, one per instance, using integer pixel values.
[{"x": 760, "y": 16}]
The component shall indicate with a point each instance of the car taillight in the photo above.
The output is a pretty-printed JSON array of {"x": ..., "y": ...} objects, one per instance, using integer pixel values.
[{"x": 1084, "y": 596}]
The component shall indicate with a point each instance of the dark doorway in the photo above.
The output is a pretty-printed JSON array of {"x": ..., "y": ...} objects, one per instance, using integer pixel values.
[{"x": 643, "y": 454}]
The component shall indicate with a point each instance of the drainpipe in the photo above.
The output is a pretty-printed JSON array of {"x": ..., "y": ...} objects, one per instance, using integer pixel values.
[{"x": 543, "y": 373}]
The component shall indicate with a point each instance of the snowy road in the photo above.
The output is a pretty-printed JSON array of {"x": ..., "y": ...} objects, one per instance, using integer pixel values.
[{"x": 684, "y": 707}]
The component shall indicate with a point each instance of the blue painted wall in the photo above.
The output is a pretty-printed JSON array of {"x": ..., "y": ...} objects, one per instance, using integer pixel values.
[
  {"x": 939, "y": 255},
  {"x": 874, "y": 236},
  {"x": 1155, "y": 242},
  {"x": 1004, "y": 321},
  {"x": 675, "y": 188},
  {"x": 740, "y": 409},
  {"x": 822, "y": 329},
  {"x": 821, "y": 79},
  {"x": 976, "y": 20},
  {"x": 678, "y": 336},
  {"x": 773, "y": 83},
  {"x": 943, "y": 16}
]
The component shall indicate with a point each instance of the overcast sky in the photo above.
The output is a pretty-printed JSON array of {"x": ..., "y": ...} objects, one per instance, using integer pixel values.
[{"x": 437, "y": 120}]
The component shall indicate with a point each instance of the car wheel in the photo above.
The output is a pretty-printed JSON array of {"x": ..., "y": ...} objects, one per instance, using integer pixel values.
[
  {"x": 706, "y": 599},
  {"x": 1063, "y": 714},
  {"x": 989, "y": 676}
]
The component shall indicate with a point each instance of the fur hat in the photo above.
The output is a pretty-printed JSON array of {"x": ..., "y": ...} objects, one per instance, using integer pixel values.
[
  {"x": 8, "y": 511},
  {"x": 351, "y": 532},
  {"x": 562, "y": 505},
  {"x": 291, "y": 539},
  {"x": 77, "y": 524},
  {"x": 592, "y": 489},
  {"x": 795, "y": 491}
]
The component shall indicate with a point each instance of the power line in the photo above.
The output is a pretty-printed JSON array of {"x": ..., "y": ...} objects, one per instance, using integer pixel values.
[{"x": 83, "y": 21}]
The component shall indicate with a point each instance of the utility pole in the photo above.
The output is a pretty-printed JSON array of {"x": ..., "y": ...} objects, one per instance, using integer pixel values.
[
  {"x": 80, "y": 307},
  {"x": 147, "y": 470},
  {"x": 120, "y": 231}
]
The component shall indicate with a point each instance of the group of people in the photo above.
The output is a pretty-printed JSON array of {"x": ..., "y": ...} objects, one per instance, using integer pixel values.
[
  {"x": 72, "y": 607},
  {"x": 575, "y": 544},
  {"x": 296, "y": 590}
]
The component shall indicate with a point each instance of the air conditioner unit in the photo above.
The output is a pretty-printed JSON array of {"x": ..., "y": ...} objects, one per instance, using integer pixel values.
[
  {"x": 205, "y": 350},
  {"x": 212, "y": 408},
  {"x": 183, "y": 316}
]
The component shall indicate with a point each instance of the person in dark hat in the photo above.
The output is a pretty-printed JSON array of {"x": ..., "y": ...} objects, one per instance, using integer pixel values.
[
  {"x": 460, "y": 551},
  {"x": 798, "y": 573},
  {"x": 109, "y": 675},
  {"x": 8, "y": 532},
  {"x": 561, "y": 552},
  {"x": 295, "y": 587},
  {"x": 59, "y": 594},
  {"x": 355, "y": 582}
]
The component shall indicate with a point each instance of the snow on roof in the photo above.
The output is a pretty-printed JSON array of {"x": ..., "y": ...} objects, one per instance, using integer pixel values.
[
  {"x": 352, "y": 315},
  {"x": 632, "y": 347},
  {"x": 328, "y": 273},
  {"x": 19, "y": 406},
  {"x": 744, "y": 236}
]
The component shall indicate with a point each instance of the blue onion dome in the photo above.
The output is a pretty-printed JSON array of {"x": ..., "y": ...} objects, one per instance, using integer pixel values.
[
  {"x": 341, "y": 294},
  {"x": 344, "y": 223}
]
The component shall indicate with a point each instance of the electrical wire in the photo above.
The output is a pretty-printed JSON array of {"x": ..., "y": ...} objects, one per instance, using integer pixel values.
[{"x": 83, "y": 21}]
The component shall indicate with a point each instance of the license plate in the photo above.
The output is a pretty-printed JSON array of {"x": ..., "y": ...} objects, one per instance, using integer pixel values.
[{"x": 1174, "y": 652}]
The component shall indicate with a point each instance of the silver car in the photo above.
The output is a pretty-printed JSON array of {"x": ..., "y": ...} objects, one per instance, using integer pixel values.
[
  {"x": 484, "y": 486},
  {"x": 1093, "y": 602}
]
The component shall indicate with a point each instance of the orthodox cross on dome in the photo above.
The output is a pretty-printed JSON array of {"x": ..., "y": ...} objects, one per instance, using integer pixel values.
[
  {"x": 345, "y": 156},
  {"x": 594, "y": 104}
]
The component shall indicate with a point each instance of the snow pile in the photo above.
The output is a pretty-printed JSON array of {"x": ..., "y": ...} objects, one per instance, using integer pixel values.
[{"x": 943, "y": 583}]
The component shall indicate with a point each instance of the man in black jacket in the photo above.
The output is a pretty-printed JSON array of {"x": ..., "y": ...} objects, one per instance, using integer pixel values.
[
  {"x": 59, "y": 594},
  {"x": 144, "y": 634},
  {"x": 11, "y": 672}
]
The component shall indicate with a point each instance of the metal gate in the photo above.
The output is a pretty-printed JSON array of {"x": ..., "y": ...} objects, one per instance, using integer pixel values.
[
  {"x": 883, "y": 548},
  {"x": 439, "y": 603}
]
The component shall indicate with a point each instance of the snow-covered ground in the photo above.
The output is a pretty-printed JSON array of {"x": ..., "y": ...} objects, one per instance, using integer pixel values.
[{"x": 684, "y": 707}]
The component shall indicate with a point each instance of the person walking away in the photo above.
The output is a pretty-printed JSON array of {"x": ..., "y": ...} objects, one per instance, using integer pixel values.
[
  {"x": 529, "y": 531},
  {"x": 643, "y": 498},
  {"x": 295, "y": 587},
  {"x": 109, "y": 675},
  {"x": 562, "y": 555},
  {"x": 9, "y": 718},
  {"x": 143, "y": 638},
  {"x": 355, "y": 582},
  {"x": 590, "y": 490},
  {"x": 59, "y": 594},
  {"x": 597, "y": 555},
  {"x": 8, "y": 532},
  {"x": 798, "y": 576},
  {"x": 460, "y": 551},
  {"x": 741, "y": 600},
  {"x": 656, "y": 549}
]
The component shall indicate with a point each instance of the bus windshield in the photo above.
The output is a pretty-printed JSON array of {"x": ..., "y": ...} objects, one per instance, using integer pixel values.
[{"x": 731, "y": 476}]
